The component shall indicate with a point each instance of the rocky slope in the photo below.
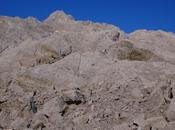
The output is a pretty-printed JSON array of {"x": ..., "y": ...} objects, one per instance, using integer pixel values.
[{"x": 62, "y": 74}]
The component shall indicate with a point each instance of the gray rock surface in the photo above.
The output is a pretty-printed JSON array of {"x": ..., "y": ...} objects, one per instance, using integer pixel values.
[{"x": 63, "y": 74}]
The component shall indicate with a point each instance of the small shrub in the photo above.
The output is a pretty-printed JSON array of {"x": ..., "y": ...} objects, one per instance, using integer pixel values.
[
  {"x": 126, "y": 44},
  {"x": 47, "y": 55},
  {"x": 127, "y": 51},
  {"x": 139, "y": 55},
  {"x": 135, "y": 55}
]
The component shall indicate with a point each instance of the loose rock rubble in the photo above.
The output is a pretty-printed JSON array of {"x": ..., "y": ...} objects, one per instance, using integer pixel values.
[{"x": 63, "y": 74}]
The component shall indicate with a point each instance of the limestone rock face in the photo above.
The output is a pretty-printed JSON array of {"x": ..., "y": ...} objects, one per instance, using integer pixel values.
[{"x": 62, "y": 74}]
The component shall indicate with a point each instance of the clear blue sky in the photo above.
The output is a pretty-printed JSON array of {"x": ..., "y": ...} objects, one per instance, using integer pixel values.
[{"x": 127, "y": 14}]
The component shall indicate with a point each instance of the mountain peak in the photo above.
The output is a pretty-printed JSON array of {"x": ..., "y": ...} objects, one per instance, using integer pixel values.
[{"x": 59, "y": 16}]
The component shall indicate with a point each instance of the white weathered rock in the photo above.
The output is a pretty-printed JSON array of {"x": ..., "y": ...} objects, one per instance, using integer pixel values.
[{"x": 66, "y": 74}]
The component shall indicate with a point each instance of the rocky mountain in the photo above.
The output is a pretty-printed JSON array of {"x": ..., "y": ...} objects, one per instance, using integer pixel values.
[{"x": 63, "y": 74}]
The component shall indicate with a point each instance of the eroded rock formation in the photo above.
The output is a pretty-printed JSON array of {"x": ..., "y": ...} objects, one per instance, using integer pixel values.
[{"x": 62, "y": 74}]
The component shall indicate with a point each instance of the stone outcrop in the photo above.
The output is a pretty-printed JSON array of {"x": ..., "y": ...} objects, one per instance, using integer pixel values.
[{"x": 63, "y": 74}]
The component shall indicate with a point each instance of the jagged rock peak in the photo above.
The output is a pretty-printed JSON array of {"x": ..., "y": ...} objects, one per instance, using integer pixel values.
[{"x": 60, "y": 15}]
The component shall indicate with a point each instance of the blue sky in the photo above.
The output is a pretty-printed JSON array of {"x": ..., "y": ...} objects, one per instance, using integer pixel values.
[{"x": 129, "y": 15}]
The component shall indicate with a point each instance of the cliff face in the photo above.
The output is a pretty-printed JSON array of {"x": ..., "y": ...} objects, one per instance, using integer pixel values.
[{"x": 62, "y": 74}]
